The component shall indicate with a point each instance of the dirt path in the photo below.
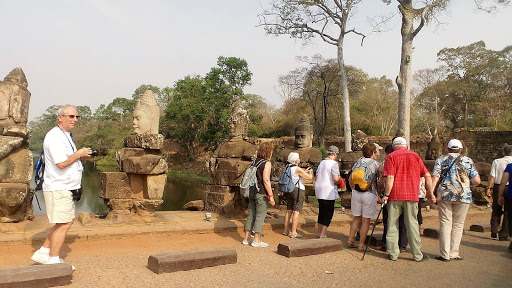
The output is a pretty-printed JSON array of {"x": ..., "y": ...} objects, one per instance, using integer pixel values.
[{"x": 122, "y": 263}]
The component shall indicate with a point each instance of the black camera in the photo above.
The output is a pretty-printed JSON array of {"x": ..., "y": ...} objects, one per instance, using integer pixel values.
[{"x": 94, "y": 153}]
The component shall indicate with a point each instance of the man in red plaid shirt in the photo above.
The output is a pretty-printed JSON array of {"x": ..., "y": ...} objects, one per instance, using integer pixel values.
[{"x": 403, "y": 169}]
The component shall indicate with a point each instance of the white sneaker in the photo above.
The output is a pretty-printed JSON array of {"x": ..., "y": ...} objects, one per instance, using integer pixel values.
[
  {"x": 40, "y": 257},
  {"x": 245, "y": 242},
  {"x": 60, "y": 260},
  {"x": 259, "y": 244},
  {"x": 52, "y": 261}
]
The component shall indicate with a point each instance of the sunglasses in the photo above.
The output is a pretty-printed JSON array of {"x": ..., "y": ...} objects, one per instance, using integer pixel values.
[{"x": 73, "y": 116}]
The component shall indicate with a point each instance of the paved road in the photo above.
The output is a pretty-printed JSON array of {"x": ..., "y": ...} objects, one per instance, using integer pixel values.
[{"x": 121, "y": 262}]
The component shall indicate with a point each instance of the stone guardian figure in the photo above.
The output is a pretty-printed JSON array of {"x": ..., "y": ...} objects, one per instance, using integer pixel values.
[{"x": 146, "y": 115}]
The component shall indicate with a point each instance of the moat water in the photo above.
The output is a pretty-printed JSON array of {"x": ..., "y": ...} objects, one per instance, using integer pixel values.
[{"x": 178, "y": 191}]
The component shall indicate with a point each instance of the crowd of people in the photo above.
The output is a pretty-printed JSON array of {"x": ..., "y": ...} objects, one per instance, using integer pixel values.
[
  {"x": 402, "y": 176},
  {"x": 406, "y": 183}
]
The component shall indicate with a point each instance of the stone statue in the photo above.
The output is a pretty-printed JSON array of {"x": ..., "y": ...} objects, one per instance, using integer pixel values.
[
  {"x": 146, "y": 115},
  {"x": 14, "y": 99},
  {"x": 15, "y": 157},
  {"x": 238, "y": 122},
  {"x": 434, "y": 148},
  {"x": 303, "y": 144},
  {"x": 303, "y": 133}
]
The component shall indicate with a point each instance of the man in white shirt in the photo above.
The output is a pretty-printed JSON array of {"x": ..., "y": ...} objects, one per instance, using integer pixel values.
[
  {"x": 62, "y": 175},
  {"x": 326, "y": 189},
  {"x": 497, "y": 168}
]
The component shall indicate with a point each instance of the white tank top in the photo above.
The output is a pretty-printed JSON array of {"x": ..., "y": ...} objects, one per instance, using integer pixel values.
[{"x": 296, "y": 178}]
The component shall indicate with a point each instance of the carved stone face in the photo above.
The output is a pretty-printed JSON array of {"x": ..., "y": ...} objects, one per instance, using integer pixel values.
[
  {"x": 303, "y": 139},
  {"x": 141, "y": 122}
]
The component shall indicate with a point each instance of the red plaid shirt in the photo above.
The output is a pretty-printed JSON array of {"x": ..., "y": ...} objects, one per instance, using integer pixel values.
[{"x": 407, "y": 168}]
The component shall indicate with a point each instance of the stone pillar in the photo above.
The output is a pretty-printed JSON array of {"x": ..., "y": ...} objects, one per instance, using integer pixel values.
[
  {"x": 15, "y": 157},
  {"x": 139, "y": 186}
]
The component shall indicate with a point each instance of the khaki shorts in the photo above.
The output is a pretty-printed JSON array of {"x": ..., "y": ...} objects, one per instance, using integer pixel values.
[
  {"x": 60, "y": 206},
  {"x": 295, "y": 200}
]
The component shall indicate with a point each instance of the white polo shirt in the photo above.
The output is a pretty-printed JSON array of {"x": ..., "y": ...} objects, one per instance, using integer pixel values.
[
  {"x": 58, "y": 145},
  {"x": 498, "y": 167},
  {"x": 325, "y": 188}
]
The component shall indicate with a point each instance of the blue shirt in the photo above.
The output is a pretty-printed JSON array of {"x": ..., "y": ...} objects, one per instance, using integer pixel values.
[
  {"x": 456, "y": 185},
  {"x": 508, "y": 170}
]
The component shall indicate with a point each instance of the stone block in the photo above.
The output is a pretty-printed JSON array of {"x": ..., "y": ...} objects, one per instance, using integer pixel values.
[
  {"x": 196, "y": 205},
  {"x": 189, "y": 260},
  {"x": 147, "y": 164},
  {"x": 480, "y": 227},
  {"x": 146, "y": 208},
  {"x": 431, "y": 233},
  {"x": 37, "y": 276},
  {"x": 212, "y": 207},
  {"x": 124, "y": 153},
  {"x": 146, "y": 141},
  {"x": 115, "y": 185},
  {"x": 309, "y": 247},
  {"x": 219, "y": 198},
  {"x": 17, "y": 167},
  {"x": 229, "y": 172},
  {"x": 137, "y": 185},
  {"x": 154, "y": 186},
  {"x": 375, "y": 240},
  {"x": 218, "y": 189},
  {"x": 8, "y": 144},
  {"x": 15, "y": 131},
  {"x": 236, "y": 149},
  {"x": 13, "y": 201},
  {"x": 120, "y": 204},
  {"x": 86, "y": 218}
]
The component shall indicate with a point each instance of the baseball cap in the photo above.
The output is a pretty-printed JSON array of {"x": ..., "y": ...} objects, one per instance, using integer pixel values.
[
  {"x": 399, "y": 141},
  {"x": 455, "y": 144},
  {"x": 378, "y": 146},
  {"x": 333, "y": 149}
]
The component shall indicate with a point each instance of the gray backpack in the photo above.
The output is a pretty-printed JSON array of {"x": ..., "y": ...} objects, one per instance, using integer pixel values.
[{"x": 249, "y": 185}]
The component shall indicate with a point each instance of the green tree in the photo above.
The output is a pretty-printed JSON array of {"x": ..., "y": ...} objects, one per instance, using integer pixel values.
[
  {"x": 200, "y": 107},
  {"x": 143, "y": 88},
  {"x": 40, "y": 126}
]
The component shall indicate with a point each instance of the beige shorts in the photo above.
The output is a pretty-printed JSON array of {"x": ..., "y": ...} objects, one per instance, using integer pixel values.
[{"x": 60, "y": 206}]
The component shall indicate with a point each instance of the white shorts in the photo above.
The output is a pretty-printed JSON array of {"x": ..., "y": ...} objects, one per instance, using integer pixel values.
[
  {"x": 364, "y": 204},
  {"x": 60, "y": 206}
]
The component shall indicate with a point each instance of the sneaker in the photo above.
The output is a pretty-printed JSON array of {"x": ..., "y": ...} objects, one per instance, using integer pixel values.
[
  {"x": 296, "y": 235},
  {"x": 504, "y": 238},
  {"x": 39, "y": 257},
  {"x": 259, "y": 244},
  {"x": 457, "y": 258},
  {"x": 441, "y": 258},
  {"x": 390, "y": 258},
  {"x": 245, "y": 242},
  {"x": 51, "y": 261},
  {"x": 494, "y": 235}
]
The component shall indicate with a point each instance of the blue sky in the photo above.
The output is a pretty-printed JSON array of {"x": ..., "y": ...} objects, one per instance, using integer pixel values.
[{"x": 88, "y": 52}]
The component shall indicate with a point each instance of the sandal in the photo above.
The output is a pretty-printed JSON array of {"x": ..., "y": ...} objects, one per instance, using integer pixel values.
[
  {"x": 286, "y": 233},
  {"x": 296, "y": 235},
  {"x": 351, "y": 244}
]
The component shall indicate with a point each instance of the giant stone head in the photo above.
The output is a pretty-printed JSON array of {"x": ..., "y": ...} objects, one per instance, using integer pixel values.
[
  {"x": 146, "y": 115},
  {"x": 303, "y": 133}
]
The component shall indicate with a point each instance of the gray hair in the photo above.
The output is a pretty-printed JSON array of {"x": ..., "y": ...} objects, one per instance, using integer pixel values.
[
  {"x": 507, "y": 150},
  {"x": 293, "y": 157},
  {"x": 62, "y": 109}
]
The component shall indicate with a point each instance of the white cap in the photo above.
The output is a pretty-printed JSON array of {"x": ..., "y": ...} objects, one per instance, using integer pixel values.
[
  {"x": 399, "y": 141},
  {"x": 378, "y": 146},
  {"x": 454, "y": 144}
]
